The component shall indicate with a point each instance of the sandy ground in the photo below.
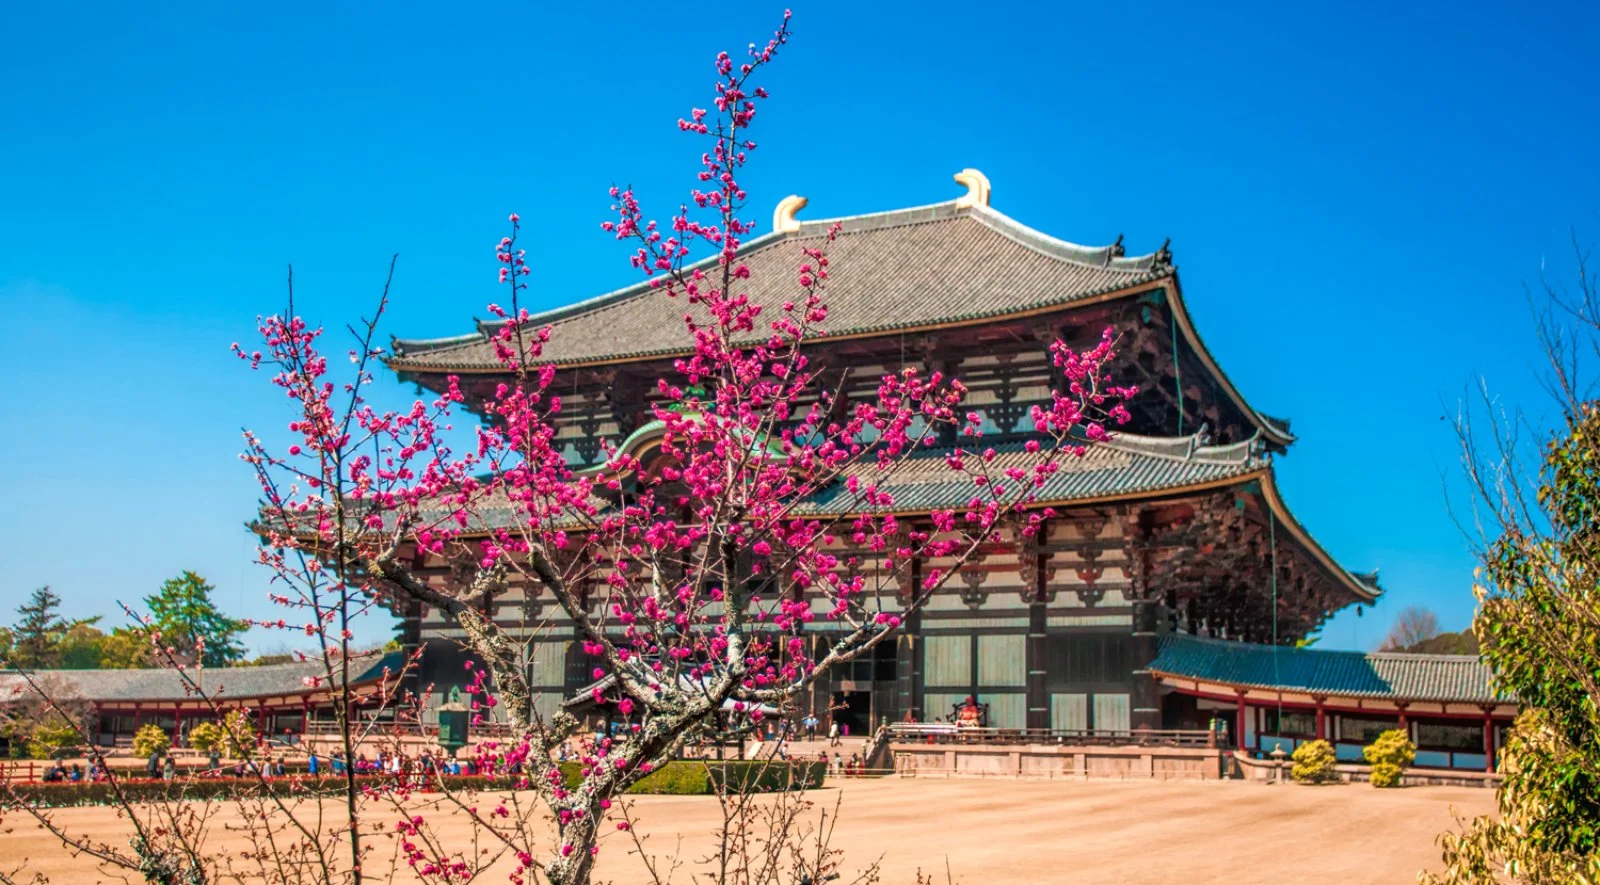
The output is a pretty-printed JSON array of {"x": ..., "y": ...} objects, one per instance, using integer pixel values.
[{"x": 1023, "y": 831}]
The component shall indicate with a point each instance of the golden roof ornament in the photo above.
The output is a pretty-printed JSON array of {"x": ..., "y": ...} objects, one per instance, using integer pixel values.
[
  {"x": 783, "y": 220},
  {"x": 977, "y": 188}
]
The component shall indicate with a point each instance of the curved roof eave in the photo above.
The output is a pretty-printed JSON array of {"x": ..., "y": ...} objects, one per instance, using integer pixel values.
[
  {"x": 1363, "y": 586},
  {"x": 1274, "y": 429}
]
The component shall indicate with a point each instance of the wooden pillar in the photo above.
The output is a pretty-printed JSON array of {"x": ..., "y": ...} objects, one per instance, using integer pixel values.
[
  {"x": 1146, "y": 695},
  {"x": 1036, "y": 574},
  {"x": 1239, "y": 733},
  {"x": 1488, "y": 744},
  {"x": 1404, "y": 725},
  {"x": 1037, "y": 680},
  {"x": 908, "y": 656},
  {"x": 1322, "y": 731}
]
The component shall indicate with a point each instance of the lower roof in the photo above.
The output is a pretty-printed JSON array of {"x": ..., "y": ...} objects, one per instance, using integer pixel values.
[
  {"x": 1388, "y": 675},
  {"x": 220, "y": 683}
]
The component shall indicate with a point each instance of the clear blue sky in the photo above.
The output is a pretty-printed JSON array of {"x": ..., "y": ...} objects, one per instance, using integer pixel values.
[{"x": 1356, "y": 199}]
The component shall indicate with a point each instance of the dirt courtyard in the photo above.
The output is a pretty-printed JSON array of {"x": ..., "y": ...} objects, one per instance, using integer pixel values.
[{"x": 1002, "y": 831}]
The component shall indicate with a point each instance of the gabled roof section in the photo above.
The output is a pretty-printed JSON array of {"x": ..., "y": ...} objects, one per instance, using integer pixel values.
[
  {"x": 1126, "y": 466},
  {"x": 228, "y": 683},
  {"x": 1390, "y": 675},
  {"x": 1362, "y": 584},
  {"x": 947, "y": 263}
]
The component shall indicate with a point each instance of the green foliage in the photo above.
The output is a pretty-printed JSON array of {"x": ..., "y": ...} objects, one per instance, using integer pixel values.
[
  {"x": 151, "y": 739},
  {"x": 53, "y": 740},
  {"x": 79, "y": 648},
  {"x": 126, "y": 649},
  {"x": 188, "y": 621},
  {"x": 700, "y": 778},
  {"x": 1389, "y": 757},
  {"x": 1314, "y": 763},
  {"x": 238, "y": 734},
  {"x": 37, "y": 635},
  {"x": 1462, "y": 643},
  {"x": 686, "y": 778},
  {"x": 204, "y": 736},
  {"x": 1538, "y": 624}
]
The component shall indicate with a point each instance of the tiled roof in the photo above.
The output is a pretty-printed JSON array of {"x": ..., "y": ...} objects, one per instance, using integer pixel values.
[
  {"x": 892, "y": 270},
  {"x": 1127, "y": 464},
  {"x": 271, "y": 680},
  {"x": 1392, "y": 675}
]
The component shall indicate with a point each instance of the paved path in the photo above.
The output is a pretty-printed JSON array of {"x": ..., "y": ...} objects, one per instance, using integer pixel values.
[{"x": 1004, "y": 831}]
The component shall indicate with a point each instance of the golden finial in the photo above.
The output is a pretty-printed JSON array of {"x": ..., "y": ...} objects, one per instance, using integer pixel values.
[
  {"x": 977, "y": 188},
  {"x": 783, "y": 220}
]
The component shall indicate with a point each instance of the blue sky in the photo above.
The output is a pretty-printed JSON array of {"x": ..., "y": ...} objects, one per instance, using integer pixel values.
[{"x": 1356, "y": 199}]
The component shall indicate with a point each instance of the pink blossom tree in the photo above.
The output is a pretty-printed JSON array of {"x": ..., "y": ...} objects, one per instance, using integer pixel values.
[{"x": 695, "y": 578}]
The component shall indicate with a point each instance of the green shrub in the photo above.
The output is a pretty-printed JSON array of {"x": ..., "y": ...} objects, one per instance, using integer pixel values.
[
  {"x": 686, "y": 777},
  {"x": 226, "y": 736},
  {"x": 54, "y": 740},
  {"x": 683, "y": 777},
  {"x": 151, "y": 739},
  {"x": 239, "y": 734},
  {"x": 1314, "y": 763},
  {"x": 1389, "y": 757},
  {"x": 205, "y": 735}
]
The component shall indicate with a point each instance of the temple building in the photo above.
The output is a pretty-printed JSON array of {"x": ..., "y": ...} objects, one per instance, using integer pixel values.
[
  {"x": 1174, "y": 577},
  {"x": 285, "y": 700}
]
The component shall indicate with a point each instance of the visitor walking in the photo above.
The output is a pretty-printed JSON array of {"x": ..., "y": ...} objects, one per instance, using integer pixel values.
[
  {"x": 833, "y": 732},
  {"x": 169, "y": 770}
]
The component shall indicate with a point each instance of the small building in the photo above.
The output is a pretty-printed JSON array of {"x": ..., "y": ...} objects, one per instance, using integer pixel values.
[
  {"x": 1274, "y": 696},
  {"x": 285, "y": 699}
]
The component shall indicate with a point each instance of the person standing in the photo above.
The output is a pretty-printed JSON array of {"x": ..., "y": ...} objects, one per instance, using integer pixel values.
[
  {"x": 833, "y": 732},
  {"x": 152, "y": 766},
  {"x": 311, "y": 763}
]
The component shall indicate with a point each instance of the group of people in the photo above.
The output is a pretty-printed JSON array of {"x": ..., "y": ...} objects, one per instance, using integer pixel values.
[
  {"x": 838, "y": 766},
  {"x": 59, "y": 772}
]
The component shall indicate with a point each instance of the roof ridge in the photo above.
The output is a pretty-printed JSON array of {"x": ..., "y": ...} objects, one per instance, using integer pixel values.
[
  {"x": 1106, "y": 257},
  {"x": 1241, "y": 452},
  {"x": 1098, "y": 257}
]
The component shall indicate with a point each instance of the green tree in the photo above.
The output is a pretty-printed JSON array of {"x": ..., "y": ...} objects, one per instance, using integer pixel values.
[
  {"x": 36, "y": 637},
  {"x": 1538, "y": 620},
  {"x": 189, "y": 623},
  {"x": 81, "y": 646},
  {"x": 126, "y": 649}
]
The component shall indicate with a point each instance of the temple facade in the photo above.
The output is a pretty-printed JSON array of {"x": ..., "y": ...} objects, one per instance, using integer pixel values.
[{"x": 1173, "y": 532}]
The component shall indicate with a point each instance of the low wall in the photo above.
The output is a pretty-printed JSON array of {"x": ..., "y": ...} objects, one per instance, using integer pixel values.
[
  {"x": 1266, "y": 770},
  {"x": 1045, "y": 761}
]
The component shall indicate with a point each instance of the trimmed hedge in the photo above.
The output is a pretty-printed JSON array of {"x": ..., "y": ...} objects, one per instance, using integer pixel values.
[
  {"x": 680, "y": 778},
  {"x": 693, "y": 777}
]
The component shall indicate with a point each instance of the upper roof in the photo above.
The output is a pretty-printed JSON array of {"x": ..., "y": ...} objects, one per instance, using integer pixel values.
[
  {"x": 1390, "y": 675},
  {"x": 222, "y": 683},
  {"x": 910, "y": 268}
]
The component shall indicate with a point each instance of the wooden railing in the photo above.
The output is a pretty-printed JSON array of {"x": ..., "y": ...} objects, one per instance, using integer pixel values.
[{"x": 1152, "y": 737}]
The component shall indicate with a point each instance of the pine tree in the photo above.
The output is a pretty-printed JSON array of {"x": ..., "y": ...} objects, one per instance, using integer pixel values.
[
  {"x": 36, "y": 637},
  {"x": 184, "y": 614}
]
